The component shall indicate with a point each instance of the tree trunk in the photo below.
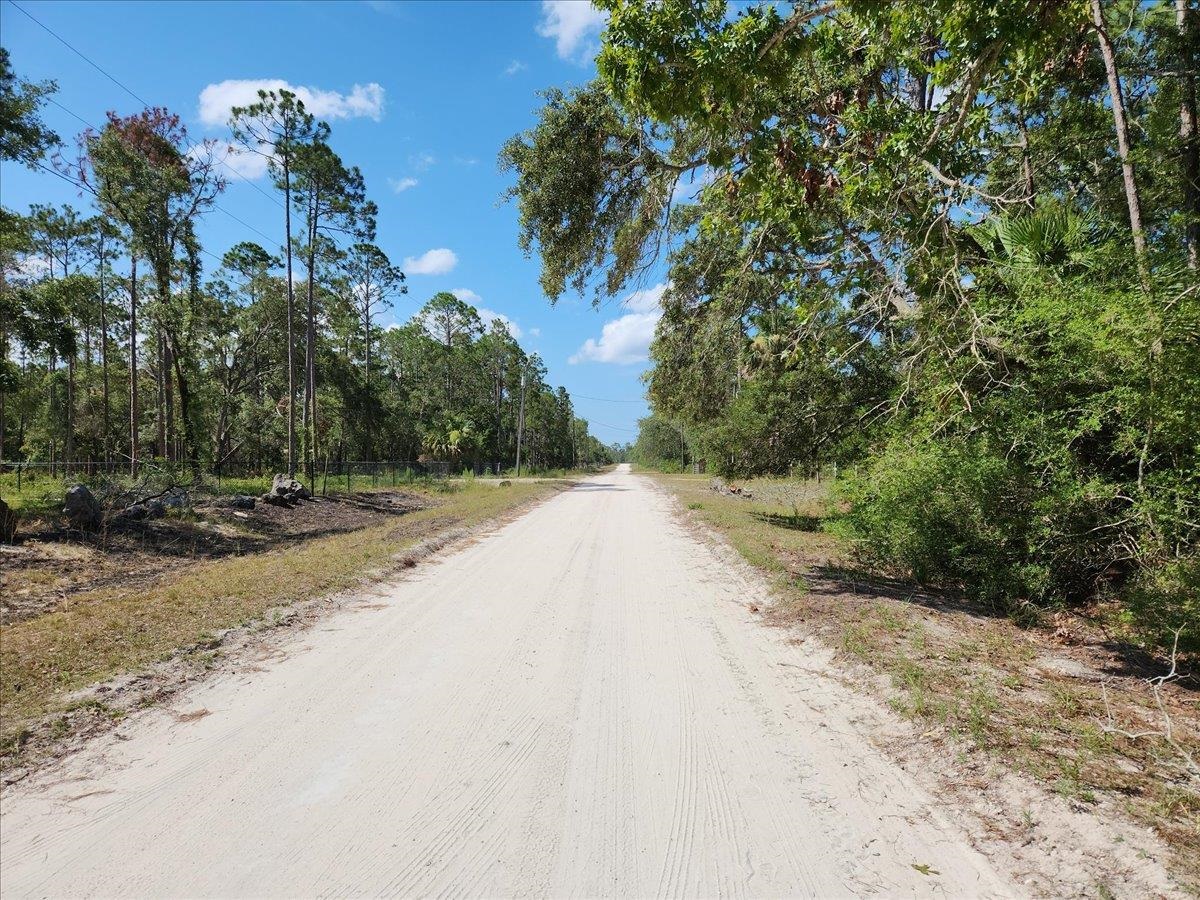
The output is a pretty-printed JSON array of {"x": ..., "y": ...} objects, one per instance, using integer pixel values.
[
  {"x": 191, "y": 441},
  {"x": 51, "y": 370},
  {"x": 1132, "y": 198},
  {"x": 1189, "y": 144},
  {"x": 104, "y": 361},
  {"x": 172, "y": 448},
  {"x": 133, "y": 380},
  {"x": 367, "y": 338},
  {"x": 291, "y": 306},
  {"x": 160, "y": 445},
  {"x": 310, "y": 347},
  {"x": 521, "y": 425},
  {"x": 1026, "y": 164},
  {"x": 69, "y": 450}
]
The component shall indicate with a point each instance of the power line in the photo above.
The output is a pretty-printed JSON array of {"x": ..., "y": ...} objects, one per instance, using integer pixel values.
[
  {"x": 606, "y": 399},
  {"x": 614, "y": 427},
  {"x": 95, "y": 65},
  {"x": 216, "y": 206},
  {"x": 84, "y": 187},
  {"x": 70, "y": 112}
]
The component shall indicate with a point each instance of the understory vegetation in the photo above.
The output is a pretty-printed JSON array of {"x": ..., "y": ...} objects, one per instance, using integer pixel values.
[{"x": 946, "y": 250}]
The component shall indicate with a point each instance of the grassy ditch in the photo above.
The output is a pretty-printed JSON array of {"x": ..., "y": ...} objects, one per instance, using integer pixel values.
[
  {"x": 98, "y": 634},
  {"x": 1057, "y": 698}
]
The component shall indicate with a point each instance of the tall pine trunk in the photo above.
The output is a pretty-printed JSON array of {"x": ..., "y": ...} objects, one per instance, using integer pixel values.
[
  {"x": 69, "y": 449},
  {"x": 310, "y": 348},
  {"x": 107, "y": 443},
  {"x": 291, "y": 308},
  {"x": 191, "y": 441},
  {"x": 160, "y": 391},
  {"x": 133, "y": 373},
  {"x": 172, "y": 452},
  {"x": 1132, "y": 198},
  {"x": 1189, "y": 143}
]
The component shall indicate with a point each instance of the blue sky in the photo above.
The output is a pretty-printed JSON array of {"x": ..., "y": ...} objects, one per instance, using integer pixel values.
[{"x": 420, "y": 96}]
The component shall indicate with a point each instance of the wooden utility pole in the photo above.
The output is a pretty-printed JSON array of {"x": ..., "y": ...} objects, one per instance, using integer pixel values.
[{"x": 521, "y": 425}]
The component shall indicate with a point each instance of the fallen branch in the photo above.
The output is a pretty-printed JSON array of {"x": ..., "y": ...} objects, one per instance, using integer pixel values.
[{"x": 1167, "y": 732}]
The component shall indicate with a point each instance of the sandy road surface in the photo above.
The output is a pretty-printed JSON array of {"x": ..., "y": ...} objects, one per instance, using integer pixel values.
[{"x": 579, "y": 704}]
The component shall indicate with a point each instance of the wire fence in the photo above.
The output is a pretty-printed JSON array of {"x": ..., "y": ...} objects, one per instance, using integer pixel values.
[{"x": 336, "y": 475}]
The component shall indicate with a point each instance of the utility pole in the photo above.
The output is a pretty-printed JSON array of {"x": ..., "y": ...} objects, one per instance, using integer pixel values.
[
  {"x": 521, "y": 424},
  {"x": 574, "y": 448}
]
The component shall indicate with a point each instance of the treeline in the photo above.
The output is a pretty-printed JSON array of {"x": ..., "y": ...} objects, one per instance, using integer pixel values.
[
  {"x": 122, "y": 339},
  {"x": 951, "y": 246}
]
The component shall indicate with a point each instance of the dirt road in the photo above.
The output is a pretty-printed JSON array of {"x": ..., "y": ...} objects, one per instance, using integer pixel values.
[{"x": 578, "y": 704}]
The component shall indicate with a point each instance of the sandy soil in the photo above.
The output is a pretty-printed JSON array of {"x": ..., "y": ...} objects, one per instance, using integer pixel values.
[{"x": 581, "y": 703}]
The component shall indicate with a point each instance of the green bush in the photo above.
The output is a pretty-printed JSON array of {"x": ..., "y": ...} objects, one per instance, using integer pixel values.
[
  {"x": 963, "y": 516},
  {"x": 942, "y": 514}
]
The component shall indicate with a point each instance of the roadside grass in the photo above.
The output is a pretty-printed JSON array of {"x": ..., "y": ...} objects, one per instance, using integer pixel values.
[
  {"x": 99, "y": 634},
  {"x": 1081, "y": 720},
  {"x": 37, "y": 496}
]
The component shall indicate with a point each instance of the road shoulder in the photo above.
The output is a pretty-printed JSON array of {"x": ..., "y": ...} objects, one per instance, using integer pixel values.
[
  {"x": 1051, "y": 842},
  {"x": 66, "y": 682}
]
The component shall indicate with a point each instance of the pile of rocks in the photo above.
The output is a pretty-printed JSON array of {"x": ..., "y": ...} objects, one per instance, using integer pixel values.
[
  {"x": 286, "y": 491},
  {"x": 719, "y": 486},
  {"x": 155, "y": 507},
  {"x": 235, "y": 501}
]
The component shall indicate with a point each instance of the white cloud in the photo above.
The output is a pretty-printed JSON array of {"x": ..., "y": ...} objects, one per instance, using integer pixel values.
[
  {"x": 626, "y": 339},
  {"x": 363, "y": 100},
  {"x": 466, "y": 295},
  {"x": 27, "y": 268},
  {"x": 432, "y": 262},
  {"x": 535, "y": 332},
  {"x": 647, "y": 300},
  {"x": 421, "y": 161},
  {"x": 487, "y": 315},
  {"x": 238, "y": 159},
  {"x": 400, "y": 185},
  {"x": 514, "y": 67},
  {"x": 574, "y": 25}
]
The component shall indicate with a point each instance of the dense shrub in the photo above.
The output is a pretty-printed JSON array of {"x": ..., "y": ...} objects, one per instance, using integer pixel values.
[{"x": 1070, "y": 474}]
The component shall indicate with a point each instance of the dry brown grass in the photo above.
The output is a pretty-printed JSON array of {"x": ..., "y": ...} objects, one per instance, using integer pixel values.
[
  {"x": 98, "y": 634},
  {"x": 1056, "y": 699}
]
